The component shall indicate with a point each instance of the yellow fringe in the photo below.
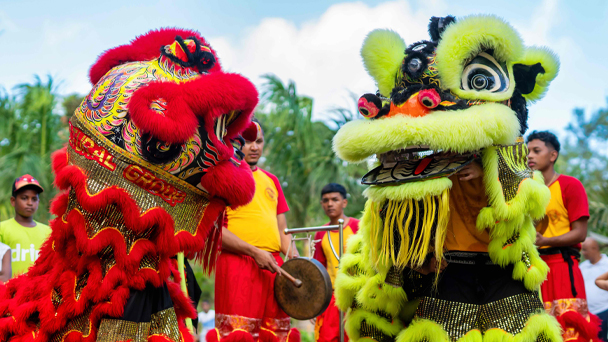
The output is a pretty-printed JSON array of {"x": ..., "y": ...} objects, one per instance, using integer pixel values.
[{"x": 413, "y": 247}]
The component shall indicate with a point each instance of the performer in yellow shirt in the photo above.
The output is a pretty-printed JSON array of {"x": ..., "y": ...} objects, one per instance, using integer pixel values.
[
  {"x": 245, "y": 307},
  {"x": 22, "y": 234}
]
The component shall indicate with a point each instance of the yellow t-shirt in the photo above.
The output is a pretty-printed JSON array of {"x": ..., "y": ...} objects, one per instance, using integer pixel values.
[
  {"x": 568, "y": 204},
  {"x": 25, "y": 243},
  {"x": 323, "y": 252},
  {"x": 256, "y": 222}
]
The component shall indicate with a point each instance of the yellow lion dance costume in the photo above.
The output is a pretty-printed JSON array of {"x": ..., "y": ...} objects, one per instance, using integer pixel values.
[{"x": 438, "y": 258}]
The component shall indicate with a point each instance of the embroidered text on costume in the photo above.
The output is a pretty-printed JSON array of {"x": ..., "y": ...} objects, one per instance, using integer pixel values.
[
  {"x": 87, "y": 148},
  {"x": 154, "y": 185}
]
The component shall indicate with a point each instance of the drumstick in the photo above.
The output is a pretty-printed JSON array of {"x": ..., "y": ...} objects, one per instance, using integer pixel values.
[{"x": 294, "y": 281}]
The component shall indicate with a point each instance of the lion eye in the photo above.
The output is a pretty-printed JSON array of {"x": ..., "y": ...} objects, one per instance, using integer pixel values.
[{"x": 485, "y": 73}]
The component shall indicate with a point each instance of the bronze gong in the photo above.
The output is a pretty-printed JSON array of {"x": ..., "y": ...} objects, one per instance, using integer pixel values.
[{"x": 311, "y": 298}]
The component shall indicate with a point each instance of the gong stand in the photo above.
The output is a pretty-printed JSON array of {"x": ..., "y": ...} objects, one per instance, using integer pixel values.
[{"x": 311, "y": 246}]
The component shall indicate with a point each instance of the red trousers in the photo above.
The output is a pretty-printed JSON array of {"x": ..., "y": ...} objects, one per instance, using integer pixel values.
[
  {"x": 578, "y": 324},
  {"x": 244, "y": 301},
  {"x": 327, "y": 327}
]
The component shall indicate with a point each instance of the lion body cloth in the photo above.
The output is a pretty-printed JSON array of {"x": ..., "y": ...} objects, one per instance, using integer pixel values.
[
  {"x": 147, "y": 173},
  {"x": 438, "y": 258}
]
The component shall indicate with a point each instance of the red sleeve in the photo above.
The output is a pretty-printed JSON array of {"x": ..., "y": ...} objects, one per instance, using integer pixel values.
[
  {"x": 282, "y": 206},
  {"x": 319, "y": 255},
  {"x": 574, "y": 197},
  {"x": 354, "y": 225}
]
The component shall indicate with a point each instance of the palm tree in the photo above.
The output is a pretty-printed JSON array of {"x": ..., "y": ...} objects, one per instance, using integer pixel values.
[{"x": 299, "y": 152}]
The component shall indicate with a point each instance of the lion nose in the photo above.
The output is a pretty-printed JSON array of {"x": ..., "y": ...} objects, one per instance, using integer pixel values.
[
  {"x": 429, "y": 98},
  {"x": 412, "y": 107}
]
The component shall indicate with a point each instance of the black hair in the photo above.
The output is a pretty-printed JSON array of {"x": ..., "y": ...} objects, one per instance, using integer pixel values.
[
  {"x": 545, "y": 136},
  {"x": 334, "y": 187}
]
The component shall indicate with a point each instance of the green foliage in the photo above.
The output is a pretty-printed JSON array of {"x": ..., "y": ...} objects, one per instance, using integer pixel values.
[
  {"x": 298, "y": 151},
  {"x": 583, "y": 156},
  {"x": 31, "y": 128}
]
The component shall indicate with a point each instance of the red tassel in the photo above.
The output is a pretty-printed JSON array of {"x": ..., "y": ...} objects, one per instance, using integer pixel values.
[
  {"x": 238, "y": 336},
  {"x": 213, "y": 335},
  {"x": 267, "y": 336},
  {"x": 294, "y": 335}
]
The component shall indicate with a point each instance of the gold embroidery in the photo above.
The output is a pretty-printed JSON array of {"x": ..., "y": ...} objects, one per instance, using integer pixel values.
[{"x": 163, "y": 323}]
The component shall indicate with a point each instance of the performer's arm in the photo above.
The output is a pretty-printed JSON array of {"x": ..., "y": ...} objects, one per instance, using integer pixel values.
[
  {"x": 6, "y": 272},
  {"x": 602, "y": 281},
  {"x": 233, "y": 244},
  {"x": 471, "y": 171},
  {"x": 574, "y": 236},
  {"x": 285, "y": 239}
]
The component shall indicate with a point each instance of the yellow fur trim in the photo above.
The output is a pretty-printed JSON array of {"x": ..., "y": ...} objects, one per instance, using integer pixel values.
[
  {"x": 382, "y": 52},
  {"x": 414, "y": 190},
  {"x": 469, "y": 36},
  {"x": 422, "y": 330},
  {"x": 549, "y": 61},
  {"x": 355, "y": 317},
  {"x": 469, "y": 130}
]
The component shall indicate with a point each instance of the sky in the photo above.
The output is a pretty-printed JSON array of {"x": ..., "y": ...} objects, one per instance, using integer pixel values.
[{"x": 314, "y": 43}]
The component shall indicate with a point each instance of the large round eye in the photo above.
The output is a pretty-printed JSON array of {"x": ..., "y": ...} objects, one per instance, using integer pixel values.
[
  {"x": 157, "y": 151},
  {"x": 485, "y": 73}
]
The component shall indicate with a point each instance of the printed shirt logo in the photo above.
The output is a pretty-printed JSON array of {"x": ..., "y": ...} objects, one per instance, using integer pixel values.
[
  {"x": 270, "y": 194},
  {"x": 24, "y": 254},
  {"x": 554, "y": 216}
]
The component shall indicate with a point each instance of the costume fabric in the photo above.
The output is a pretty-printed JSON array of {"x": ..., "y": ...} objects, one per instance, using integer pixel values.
[
  {"x": 256, "y": 222},
  {"x": 244, "y": 294},
  {"x": 438, "y": 258},
  {"x": 327, "y": 324},
  {"x": 24, "y": 242},
  {"x": 563, "y": 292},
  {"x": 597, "y": 299},
  {"x": 147, "y": 173}
]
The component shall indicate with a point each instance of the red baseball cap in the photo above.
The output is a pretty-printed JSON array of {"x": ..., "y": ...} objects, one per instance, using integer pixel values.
[{"x": 26, "y": 181}]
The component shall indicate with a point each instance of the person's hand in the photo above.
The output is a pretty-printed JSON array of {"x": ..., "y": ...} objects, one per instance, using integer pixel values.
[
  {"x": 471, "y": 171},
  {"x": 540, "y": 240},
  {"x": 293, "y": 253},
  {"x": 266, "y": 260}
]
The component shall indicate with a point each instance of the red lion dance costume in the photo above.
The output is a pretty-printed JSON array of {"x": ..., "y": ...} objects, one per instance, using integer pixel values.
[{"x": 147, "y": 173}]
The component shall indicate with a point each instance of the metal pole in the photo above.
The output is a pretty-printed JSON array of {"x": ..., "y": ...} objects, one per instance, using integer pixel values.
[{"x": 341, "y": 231}]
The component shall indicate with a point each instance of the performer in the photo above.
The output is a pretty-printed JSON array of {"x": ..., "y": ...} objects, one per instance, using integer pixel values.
[
  {"x": 560, "y": 241},
  {"x": 333, "y": 201},
  {"x": 445, "y": 249},
  {"x": 246, "y": 309},
  {"x": 147, "y": 174}
]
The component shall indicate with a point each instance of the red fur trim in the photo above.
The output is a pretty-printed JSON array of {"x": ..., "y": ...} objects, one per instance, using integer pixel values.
[
  {"x": 294, "y": 335},
  {"x": 219, "y": 182},
  {"x": 267, "y": 336},
  {"x": 178, "y": 122},
  {"x": 142, "y": 48},
  {"x": 251, "y": 132},
  {"x": 213, "y": 335},
  {"x": 238, "y": 336},
  {"x": 588, "y": 331}
]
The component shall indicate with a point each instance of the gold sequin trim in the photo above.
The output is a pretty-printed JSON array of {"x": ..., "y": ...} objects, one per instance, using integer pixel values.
[
  {"x": 79, "y": 284},
  {"x": 370, "y": 331},
  {"x": 509, "y": 314},
  {"x": 80, "y": 324},
  {"x": 512, "y": 168},
  {"x": 163, "y": 323},
  {"x": 187, "y": 215},
  {"x": 393, "y": 277}
]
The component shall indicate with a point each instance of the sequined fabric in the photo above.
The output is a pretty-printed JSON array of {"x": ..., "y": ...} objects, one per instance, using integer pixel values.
[
  {"x": 509, "y": 314},
  {"x": 370, "y": 331},
  {"x": 393, "y": 277},
  {"x": 512, "y": 167},
  {"x": 162, "y": 323},
  {"x": 80, "y": 324},
  {"x": 186, "y": 214}
]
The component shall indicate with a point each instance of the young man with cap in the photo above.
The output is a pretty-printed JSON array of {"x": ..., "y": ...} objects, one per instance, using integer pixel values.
[
  {"x": 333, "y": 201},
  {"x": 22, "y": 234},
  {"x": 245, "y": 307},
  {"x": 559, "y": 241}
]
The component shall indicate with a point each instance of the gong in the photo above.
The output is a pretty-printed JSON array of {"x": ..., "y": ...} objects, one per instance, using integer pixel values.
[{"x": 311, "y": 298}]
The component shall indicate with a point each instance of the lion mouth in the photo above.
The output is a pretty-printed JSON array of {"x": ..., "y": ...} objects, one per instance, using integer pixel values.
[{"x": 415, "y": 163}]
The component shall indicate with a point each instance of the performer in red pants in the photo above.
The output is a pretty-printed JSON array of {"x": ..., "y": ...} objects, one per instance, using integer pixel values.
[{"x": 245, "y": 308}]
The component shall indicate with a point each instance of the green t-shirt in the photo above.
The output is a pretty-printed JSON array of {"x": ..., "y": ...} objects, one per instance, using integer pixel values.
[{"x": 25, "y": 243}]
